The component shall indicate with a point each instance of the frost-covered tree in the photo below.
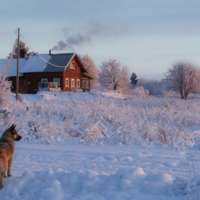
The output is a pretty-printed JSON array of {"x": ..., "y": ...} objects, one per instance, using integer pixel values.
[
  {"x": 183, "y": 78},
  {"x": 124, "y": 83},
  {"x": 23, "y": 51},
  {"x": 133, "y": 79},
  {"x": 112, "y": 73},
  {"x": 5, "y": 87},
  {"x": 91, "y": 68}
]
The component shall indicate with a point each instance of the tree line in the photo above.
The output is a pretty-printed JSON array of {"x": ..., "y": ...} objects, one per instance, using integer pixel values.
[{"x": 182, "y": 78}]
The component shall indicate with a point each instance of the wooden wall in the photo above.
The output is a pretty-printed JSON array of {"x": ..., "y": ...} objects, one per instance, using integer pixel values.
[
  {"x": 22, "y": 84},
  {"x": 34, "y": 78},
  {"x": 72, "y": 74}
]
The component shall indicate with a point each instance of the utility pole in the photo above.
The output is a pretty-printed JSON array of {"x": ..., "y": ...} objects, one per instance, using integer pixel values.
[{"x": 17, "y": 77}]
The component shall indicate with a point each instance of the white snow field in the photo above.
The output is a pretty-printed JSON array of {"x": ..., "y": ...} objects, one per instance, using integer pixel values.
[
  {"x": 77, "y": 171},
  {"x": 89, "y": 146}
]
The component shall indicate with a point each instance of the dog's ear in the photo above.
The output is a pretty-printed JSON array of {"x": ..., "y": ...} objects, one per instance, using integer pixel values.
[{"x": 12, "y": 127}]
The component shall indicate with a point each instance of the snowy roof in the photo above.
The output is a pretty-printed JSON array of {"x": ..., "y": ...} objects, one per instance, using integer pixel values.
[
  {"x": 59, "y": 60},
  {"x": 38, "y": 63},
  {"x": 12, "y": 71},
  {"x": 35, "y": 63}
]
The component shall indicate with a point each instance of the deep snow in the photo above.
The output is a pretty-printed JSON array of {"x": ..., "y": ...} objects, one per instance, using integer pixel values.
[
  {"x": 98, "y": 167},
  {"x": 77, "y": 171}
]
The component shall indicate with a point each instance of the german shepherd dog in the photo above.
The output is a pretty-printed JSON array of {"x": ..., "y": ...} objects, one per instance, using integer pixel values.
[{"x": 7, "y": 151}]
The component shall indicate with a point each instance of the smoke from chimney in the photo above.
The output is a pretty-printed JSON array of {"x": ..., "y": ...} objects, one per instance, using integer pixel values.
[
  {"x": 61, "y": 45},
  {"x": 85, "y": 35},
  {"x": 78, "y": 38}
]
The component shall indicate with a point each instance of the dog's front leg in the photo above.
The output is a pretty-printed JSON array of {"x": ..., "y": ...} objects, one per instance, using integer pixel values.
[
  {"x": 9, "y": 166},
  {"x": 1, "y": 180},
  {"x": 2, "y": 173}
]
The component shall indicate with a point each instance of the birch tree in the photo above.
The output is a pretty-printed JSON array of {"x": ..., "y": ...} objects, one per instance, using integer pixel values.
[
  {"x": 183, "y": 78},
  {"x": 112, "y": 73},
  {"x": 91, "y": 68}
]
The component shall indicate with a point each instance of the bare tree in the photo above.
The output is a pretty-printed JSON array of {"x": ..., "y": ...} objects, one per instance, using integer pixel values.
[
  {"x": 23, "y": 51},
  {"x": 183, "y": 78},
  {"x": 113, "y": 73},
  {"x": 91, "y": 68}
]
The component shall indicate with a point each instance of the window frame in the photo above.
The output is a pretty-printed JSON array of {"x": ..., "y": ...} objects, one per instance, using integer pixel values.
[
  {"x": 67, "y": 85},
  {"x": 56, "y": 81},
  {"x": 72, "y": 65},
  {"x": 72, "y": 80},
  {"x": 78, "y": 83},
  {"x": 44, "y": 79}
]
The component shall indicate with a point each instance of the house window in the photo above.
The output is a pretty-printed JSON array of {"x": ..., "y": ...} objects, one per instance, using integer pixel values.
[
  {"x": 57, "y": 80},
  {"x": 78, "y": 83},
  {"x": 66, "y": 82},
  {"x": 72, "y": 65},
  {"x": 44, "y": 80},
  {"x": 72, "y": 83}
]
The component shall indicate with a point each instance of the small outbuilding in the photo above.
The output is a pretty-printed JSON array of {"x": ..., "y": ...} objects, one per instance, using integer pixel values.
[{"x": 66, "y": 69}]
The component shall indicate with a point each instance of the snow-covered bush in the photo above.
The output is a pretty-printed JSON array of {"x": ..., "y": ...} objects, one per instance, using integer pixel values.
[
  {"x": 5, "y": 88},
  {"x": 94, "y": 117},
  {"x": 140, "y": 91}
]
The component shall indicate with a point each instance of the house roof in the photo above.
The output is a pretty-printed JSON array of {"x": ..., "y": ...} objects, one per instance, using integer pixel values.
[
  {"x": 12, "y": 71},
  {"x": 41, "y": 63},
  {"x": 61, "y": 60},
  {"x": 87, "y": 76},
  {"x": 34, "y": 63}
]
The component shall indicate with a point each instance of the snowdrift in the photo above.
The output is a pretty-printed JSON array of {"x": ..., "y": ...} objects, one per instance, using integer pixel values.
[{"x": 60, "y": 184}]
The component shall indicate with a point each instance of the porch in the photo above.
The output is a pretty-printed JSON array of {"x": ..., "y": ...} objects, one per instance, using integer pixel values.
[{"x": 85, "y": 81}]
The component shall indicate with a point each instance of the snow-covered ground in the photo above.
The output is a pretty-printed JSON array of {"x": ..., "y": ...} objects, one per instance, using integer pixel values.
[
  {"x": 77, "y": 171},
  {"x": 105, "y": 161}
]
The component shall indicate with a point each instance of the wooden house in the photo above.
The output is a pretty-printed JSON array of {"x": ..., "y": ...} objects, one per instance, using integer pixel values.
[{"x": 65, "y": 69}]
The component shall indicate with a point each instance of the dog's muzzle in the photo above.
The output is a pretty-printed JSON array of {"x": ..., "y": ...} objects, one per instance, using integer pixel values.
[{"x": 18, "y": 138}]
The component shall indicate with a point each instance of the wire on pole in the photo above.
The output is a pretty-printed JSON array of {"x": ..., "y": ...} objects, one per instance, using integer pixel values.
[
  {"x": 7, "y": 32},
  {"x": 40, "y": 55},
  {"x": 11, "y": 58}
]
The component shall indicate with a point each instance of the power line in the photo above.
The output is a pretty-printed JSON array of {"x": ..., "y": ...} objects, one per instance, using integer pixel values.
[
  {"x": 33, "y": 49},
  {"x": 28, "y": 44},
  {"x": 49, "y": 62},
  {"x": 39, "y": 54},
  {"x": 7, "y": 32}
]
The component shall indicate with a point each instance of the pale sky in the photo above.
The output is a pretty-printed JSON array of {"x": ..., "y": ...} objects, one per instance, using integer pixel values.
[{"x": 147, "y": 36}]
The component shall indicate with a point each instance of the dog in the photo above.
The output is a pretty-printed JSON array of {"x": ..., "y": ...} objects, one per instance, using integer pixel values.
[{"x": 7, "y": 142}]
